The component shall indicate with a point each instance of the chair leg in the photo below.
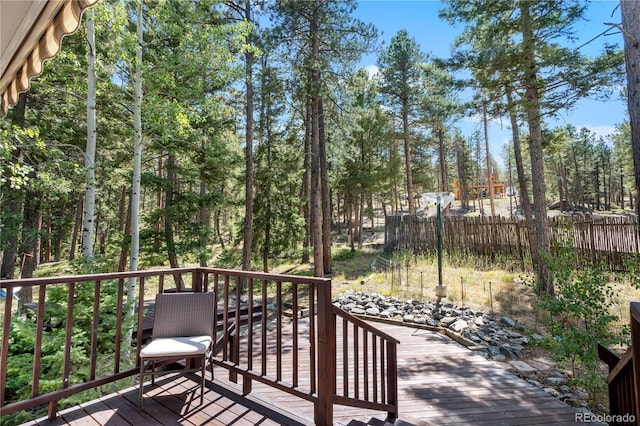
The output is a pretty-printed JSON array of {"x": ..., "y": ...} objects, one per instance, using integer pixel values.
[
  {"x": 140, "y": 385},
  {"x": 202, "y": 372}
]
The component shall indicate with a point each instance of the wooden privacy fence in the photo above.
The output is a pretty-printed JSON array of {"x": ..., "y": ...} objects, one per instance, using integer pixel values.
[{"x": 608, "y": 240}]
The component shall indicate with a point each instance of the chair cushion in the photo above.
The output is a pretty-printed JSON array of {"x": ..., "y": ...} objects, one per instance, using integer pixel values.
[{"x": 176, "y": 346}]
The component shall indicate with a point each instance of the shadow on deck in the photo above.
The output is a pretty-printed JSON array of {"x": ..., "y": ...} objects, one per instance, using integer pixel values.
[{"x": 439, "y": 382}]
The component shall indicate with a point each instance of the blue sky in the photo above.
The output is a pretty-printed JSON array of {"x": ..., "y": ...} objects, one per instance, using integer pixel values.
[{"x": 420, "y": 19}]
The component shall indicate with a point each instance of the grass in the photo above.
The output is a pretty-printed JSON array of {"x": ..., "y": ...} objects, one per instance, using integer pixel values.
[{"x": 497, "y": 290}]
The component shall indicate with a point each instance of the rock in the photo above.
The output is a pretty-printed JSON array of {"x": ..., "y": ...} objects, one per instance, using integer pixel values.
[
  {"x": 537, "y": 337},
  {"x": 581, "y": 394},
  {"x": 373, "y": 311},
  {"x": 459, "y": 325},
  {"x": 473, "y": 337},
  {"x": 498, "y": 336},
  {"x": 565, "y": 397},
  {"x": 556, "y": 380},
  {"x": 508, "y": 321},
  {"x": 541, "y": 364},
  {"x": 408, "y": 318},
  {"x": 552, "y": 391},
  {"x": 499, "y": 357},
  {"x": 507, "y": 352},
  {"x": 493, "y": 350},
  {"x": 446, "y": 321},
  {"x": 522, "y": 368}
]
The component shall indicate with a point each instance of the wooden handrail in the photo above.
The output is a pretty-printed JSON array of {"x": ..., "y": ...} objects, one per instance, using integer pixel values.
[
  {"x": 299, "y": 306},
  {"x": 623, "y": 379},
  {"x": 369, "y": 366}
]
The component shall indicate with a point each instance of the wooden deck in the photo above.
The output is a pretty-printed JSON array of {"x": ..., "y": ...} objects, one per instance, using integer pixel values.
[{"x": 439, "y": 382}]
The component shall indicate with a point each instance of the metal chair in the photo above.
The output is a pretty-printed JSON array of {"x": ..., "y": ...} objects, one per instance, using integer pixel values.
[{"x": 183, "y": 327}]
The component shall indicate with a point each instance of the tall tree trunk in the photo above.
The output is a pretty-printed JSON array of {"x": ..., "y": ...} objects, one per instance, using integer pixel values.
[
  {"x": 306, "y": 185},
  {"x": 630, "y": 10},
  {"x": 137, "y": 156},
  {"x": 360, "y": 219},
  {"x": 316, "y": 194},
  {"x": 371, "y": 213},
  {"x": 126, "y": 238},
  {"x": 157, "y": 241},
  {"x": 76, "y": 227},
  {"x": 203, "y": 216},
  {"x": 479, "y": 192},
  {"x": 407, "y": 155},
  {"x": 596, "y": 186},
  {"x": 577, "y": 179},
  {"x": 532, "y": 110},
  {"x": 137, "y": 174},
  {"x": 522, "y": 179},
  {"x": 351, "y": 224},
  {"x": 464, "y": 197},
  {"x": 168, "y": 214},
  {"x": 90, "y": 152},
  {"x": 326, "y": 198},
  {"x": 267, "y": 227},
  {"x": 248, "y": 203},
  {"x": 621, "y": 190},
  {"x": 563, "y": 202},
  {"x": 488, "y": 157},
  {"x": 29, "y": 249},
  {"x": 47, "y": 239},
  {"x": 316, "y": 178},
  {"x": 59, "y": 231},
  {"x": 12, "y": 204}
]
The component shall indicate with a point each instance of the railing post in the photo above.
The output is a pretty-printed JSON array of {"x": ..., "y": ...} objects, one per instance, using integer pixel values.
[
  {"x": 392, "y": 379},
  {"x": 635, "y": 344},
  {"x": 326, "y": 357}
]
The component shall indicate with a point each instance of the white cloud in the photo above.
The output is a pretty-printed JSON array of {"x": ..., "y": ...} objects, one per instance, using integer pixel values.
[
  {"x": 604, "y": 130},
  {"x": 372, "y": 70}
]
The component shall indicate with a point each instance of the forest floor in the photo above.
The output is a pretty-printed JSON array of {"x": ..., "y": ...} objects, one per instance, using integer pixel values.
[{"x": 491, "y": 288}]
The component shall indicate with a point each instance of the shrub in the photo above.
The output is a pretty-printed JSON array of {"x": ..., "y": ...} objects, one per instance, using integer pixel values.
[{"x": 580, "y": 317}]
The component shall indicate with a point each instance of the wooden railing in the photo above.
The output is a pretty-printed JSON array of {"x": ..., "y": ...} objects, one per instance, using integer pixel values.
[
  {"x": 368, "y": 360},
  {"x": 624, "y": 375},
  {"x": 279, "y": 330}
]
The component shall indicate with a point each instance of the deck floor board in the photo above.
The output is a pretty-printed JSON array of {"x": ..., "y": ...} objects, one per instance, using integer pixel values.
[{"x": 439, "y": 382}]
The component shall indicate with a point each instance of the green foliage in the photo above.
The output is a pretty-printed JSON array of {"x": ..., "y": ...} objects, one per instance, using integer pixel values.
[
  {"x": 23, "y": 334},
  {"x": 343, "y": 254},
  {"x": 580, "y": 316}
]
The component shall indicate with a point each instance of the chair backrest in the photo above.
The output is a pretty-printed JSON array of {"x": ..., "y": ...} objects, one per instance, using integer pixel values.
[{"x": 183, "y": 314}]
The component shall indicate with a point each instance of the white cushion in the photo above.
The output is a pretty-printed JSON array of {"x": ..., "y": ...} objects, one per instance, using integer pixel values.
[{"x": 176, "y": 346}]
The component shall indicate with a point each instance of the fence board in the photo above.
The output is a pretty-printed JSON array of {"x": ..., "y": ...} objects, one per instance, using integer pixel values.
[{"x": 612, "y": 241}]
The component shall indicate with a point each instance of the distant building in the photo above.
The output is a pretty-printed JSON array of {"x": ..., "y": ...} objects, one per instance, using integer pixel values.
[{"x": 483, "y": 189}]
